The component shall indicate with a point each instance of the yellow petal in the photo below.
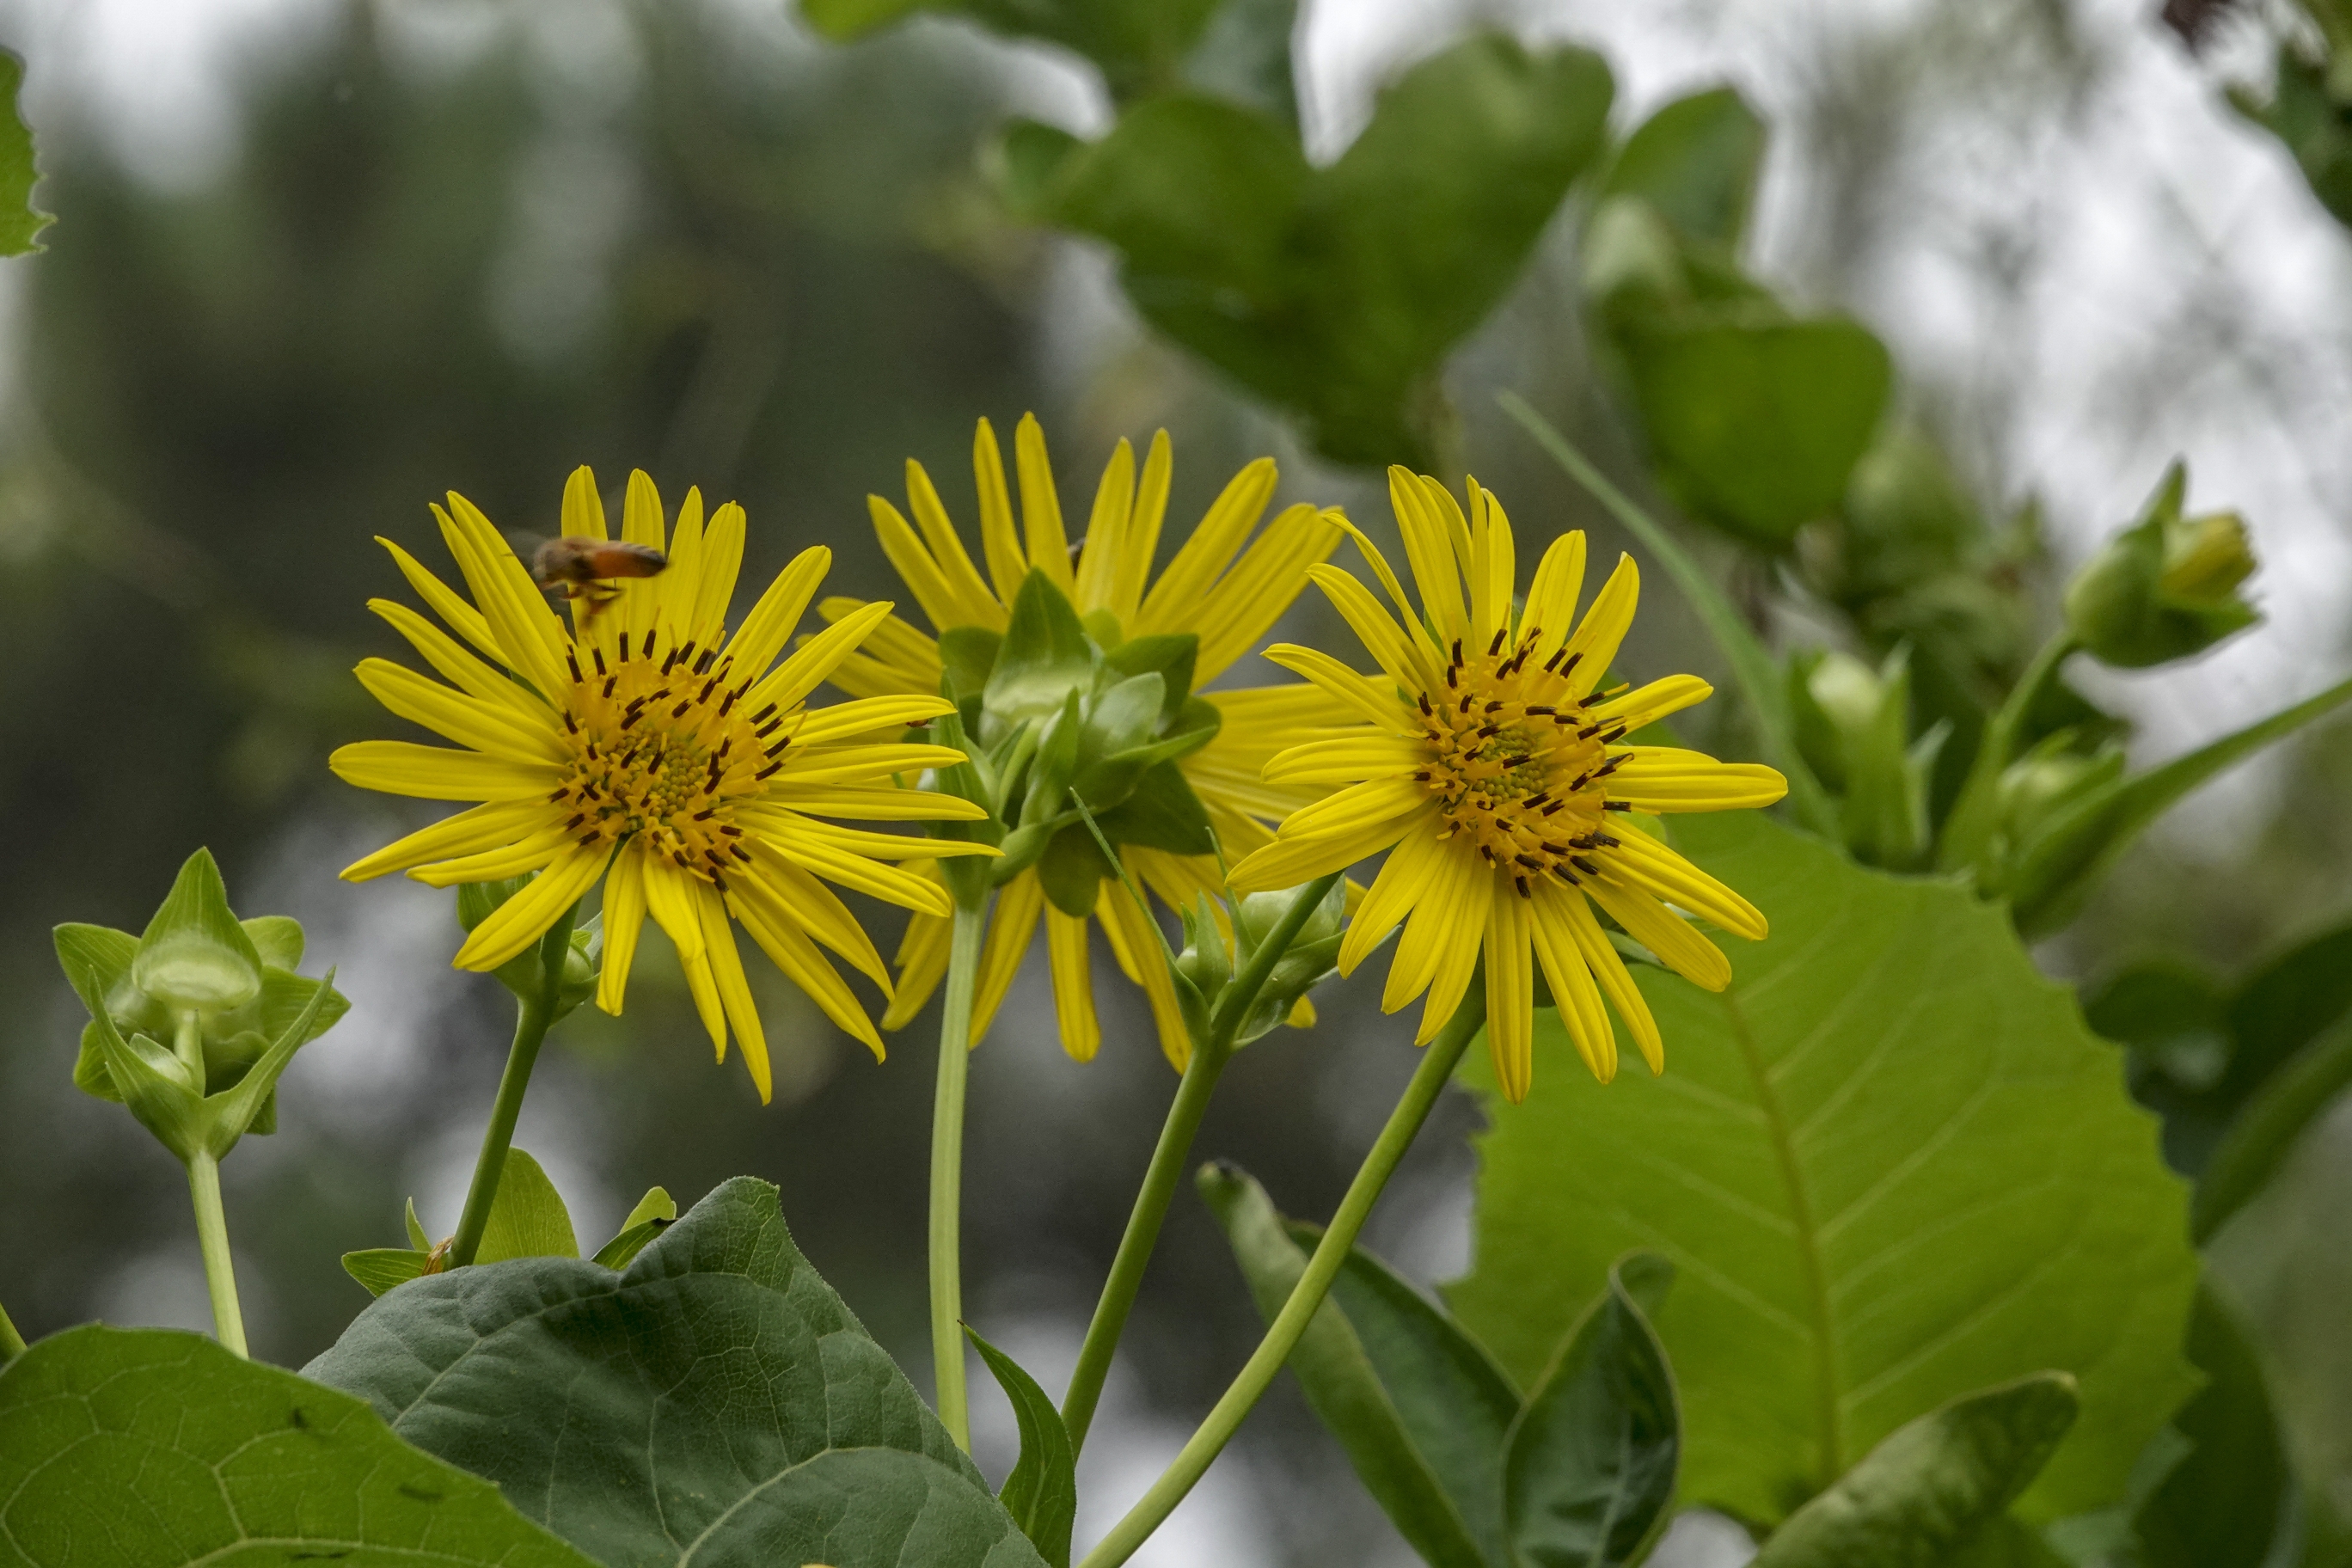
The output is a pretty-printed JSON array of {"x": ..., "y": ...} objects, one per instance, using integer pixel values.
[
  {"x": 1596, "y": 639},
  {"x": 1009, "y": 930},
  {"x": 1458, "y": 951},
  {"x": 1642, "y": 861},
  {"x": 1375, "y": 703},
  {"x": 1074, "y": 996},
  {"x": 860, "y": 764},
  {"x": 1449, "y": 880},
  {"x": 791, "y": 896},
  {"x": 922, "y": 964},
  {"x": 1174, "y": 599},
  {"x": 873, "y": 802},
  {"x": 813, "y": 660},
  {"x": 975, "y": 605},
  {"x": 791, "y": 951},
  {"x": 469, "y": 832},
  {"x": 497, "y": 864},
  {"x": 1105, "y": 549},
  {"x": 1246, "y": 601},
  {"x": 528, "y": 631},
  {"x": 1000, "y": 543},
  {"x": 1551, "y": 599},
  {"x": 1648, "y": 704},
  {"x": 1142, "y": 532},
  {"x": 461, "y": 668},
  {"x": 437, "y": 773},
  {"x": 1572, "y": 985},
  {"x": 1390, "y": 648},
  {"x": 670, "y": 899},
  {"x": 674, "y": 588},
  {"x": 1040, "y": 509},
  {"x": 722, "y": 561},
  {"x": 584, "y": 508},
  {"x": 1403, "y": 880},
  {"x": 1510, "y": 992},
  {"x": 843, "y": 719},
  {"x": 1600, "y": 957},
  {"x": 1429, "y": 553},
  {"x": 915, "y": 566},
  {"x": 458, "y": 616},
  {"x": 625, "y": 918},
  {"x": 1493, "y": 569},
  {"x": 769, "y": 627},
  {"x": 1349, "y": 760},
  {"x": 468, "y": 720},
  {"x": 734, "y": 989},
  {"x": 1135, "y": 941},
  {"x": 524, "y": 918},
  {"x": 1667, "y": 779},
  {"x": 1651, "y": 923}
]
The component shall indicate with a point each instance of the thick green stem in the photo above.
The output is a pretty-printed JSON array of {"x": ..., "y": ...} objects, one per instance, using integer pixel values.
[
  {"x": 12, "y": 1343},
  {"x": 947, "y": 1174},
  {"x": 1282, "y": 1337},
  {"x": 1159, "y": 1179},
  {"x": 531, "y": 1019},
  {"x": 1167, "y": 1160},
  {"x": 212, "y": 1235},
  {"x": 1968, "y": 831}
]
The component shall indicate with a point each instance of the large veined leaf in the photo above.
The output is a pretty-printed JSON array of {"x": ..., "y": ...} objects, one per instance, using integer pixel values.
[
  {"x": 158, "y": 1448},
  {"x": 1334, "y": 291},
  {"x": 715, "y": 1404},
  {"x": 1892, "y": 1167}
]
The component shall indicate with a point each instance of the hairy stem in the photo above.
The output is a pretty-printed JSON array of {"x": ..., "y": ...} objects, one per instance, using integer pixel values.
[
  {"x": 531, "y": 1019},
  {"x": 947, "y": 1174},
  {"x": 212, "y": 1235},
  {"x": 1282, "y": 1336}
]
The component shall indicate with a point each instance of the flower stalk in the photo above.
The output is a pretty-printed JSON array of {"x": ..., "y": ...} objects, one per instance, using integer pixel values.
[
  {"x": 212, "y": 1237},
  {"x": 1202, "y": 1070},
  {"x": 1282, "y": 1336},
  {"x": 946, "y": 1172},
  {"x": 533, "y": 1016}
]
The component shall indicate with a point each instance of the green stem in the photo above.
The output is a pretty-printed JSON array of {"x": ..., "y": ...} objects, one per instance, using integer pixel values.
[
  {"x": 947, "y": 1174},
  {"x": 1282, "y": 1337},
  {"x": 12, "y": 1343},
  {"x": 1167, "y": 1160},
  {"x": 212, "y": 1235},
  {"x": 531, "y": 1020},
  {"x": 1968, "y": 831},
  {"x": 1142, "y": 1234},
  {"x": 188, "y": 1045}
]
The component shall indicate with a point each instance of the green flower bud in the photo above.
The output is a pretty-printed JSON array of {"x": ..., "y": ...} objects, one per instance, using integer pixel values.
[
  {"x": 2164, "y": 588},
  {"x": 195, "y": 957},
  {"x": 220, "y": 990},
  {"x": 1203, "y": 969}
]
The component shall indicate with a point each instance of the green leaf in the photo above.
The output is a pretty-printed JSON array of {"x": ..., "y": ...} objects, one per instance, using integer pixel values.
[
  {"x": 1760, "y": 679},
  {"x": 193, "y": 954},
  {"x": 843, "y": 20},
  {"x": 1072, "y": 871},
  {"x": 1696, "y": 161},
  {"x": 966, "y": 656},
  {"x": 1893, "y": 1166},
  {"x": 717, "y": 1394},
  {"x": 655, "y": 1213},
  {"x": 2056, "y": 871},
  {"x": 1140, "y": 46},
  {"x": 1169, "y": 655},
  {"x": 1244, "y": 55},
  {"x": 1932, "y": 1486},
  {"x": 2268, "y": 1126},
  {"x": 1335, "y": 292},
  {"x": 157, "y": 1448},
  {"x": 1339, "y": 1379},
  {"x": 2287, "y": 1004},
  {"x": 528, "y": 1218},
  {"x": 1455, "y": 1404},
  {"x": 1755, "y": 423},
  {"x": 2221, "y": 1504},
  {"x": 416, "y": 1236},
  {"x": 1042, "y": 1493},
  {"x": 20, "y": 220},
  {"x": 278, "y": 939},
  {"x": 1044, "y": 657},
  {"x": 1588, "y": 1468},
  {"x": 1160, "y": 813},
  {"x": 379, "y": 1269}
]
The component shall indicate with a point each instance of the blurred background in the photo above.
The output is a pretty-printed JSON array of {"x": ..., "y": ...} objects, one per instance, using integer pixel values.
[{"x": 320, "y": 260}]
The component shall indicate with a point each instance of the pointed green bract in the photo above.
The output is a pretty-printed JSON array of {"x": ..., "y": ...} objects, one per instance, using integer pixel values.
[
  {"x": 1893, "y": 1167},
  {"x": 161, "y": 1449},
  {"x": 20, "y": 221},
  {"x": 1588, "y": 1466},
  {"x": 1932, "y": 1488},
  {"x": 716, "y": 1395},
  {"x": 655, "y": 1213},
  {"x": 1041, "y": 1492},
  {"x": 195, "y": 956},
  {"x": 1044, "y": 659},
  {"x": 528, "y": 1218}
]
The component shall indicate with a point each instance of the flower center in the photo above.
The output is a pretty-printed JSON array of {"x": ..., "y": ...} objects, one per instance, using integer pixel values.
[
  {"x": 1517, "y": 763},
  {"x": 661, "y": 749}
]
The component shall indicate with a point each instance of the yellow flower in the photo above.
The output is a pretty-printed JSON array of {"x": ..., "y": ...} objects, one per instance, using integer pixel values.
[
  {"x": 1500, "y": 785},
  {"x": 1228, "y": 603},
  {"x": 647, "y": 743}
]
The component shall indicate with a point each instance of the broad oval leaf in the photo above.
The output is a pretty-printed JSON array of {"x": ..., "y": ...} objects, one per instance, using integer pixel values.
[
  {"x": 1697, "y": 162},
  {"x": 716, "y": 1403},
  {"x": 1756, "y": 425},
  {"x": 1933, "y": 1486},
  {"x": 159, "y": 1448},
  {"x": 1893, "y": 1167}
]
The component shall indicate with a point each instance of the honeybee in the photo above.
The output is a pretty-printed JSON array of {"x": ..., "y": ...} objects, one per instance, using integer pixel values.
[{"x": 582, "y": 568}]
